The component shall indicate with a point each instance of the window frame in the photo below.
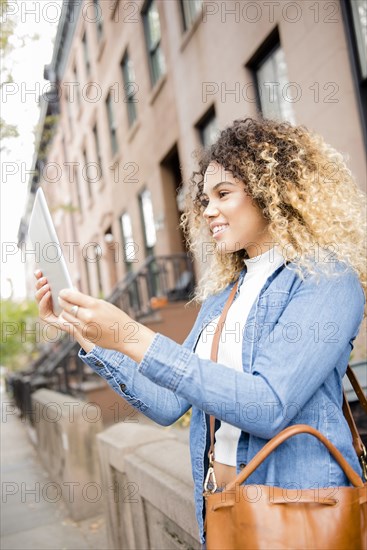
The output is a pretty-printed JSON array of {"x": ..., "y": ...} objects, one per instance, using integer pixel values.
[
  {"x": 76, "y": 77},
  {"x": 89, "y": 182},
  {"x": 126, "y": 241},
  {"x": 263, "y": 54},
  {"x": 87, "y": 275},
  {"x": 157, "y": 50},
  {"x": 112, "y": 124},
  {"x": 359, "y": 79},
  {"x": 78, "y": 188},
  {"x": 129, "y": 96},
  {"x": 97, "y": 146},
  {"x": 86, "y": 53},
  {"x": 188, "y": 19},
  {"x": 99, "y": 20},
  {"x": 203, "y": 123},
  {"x": 149, "y": 250}
]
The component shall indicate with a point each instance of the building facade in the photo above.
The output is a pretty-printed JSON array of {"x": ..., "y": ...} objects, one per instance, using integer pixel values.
[{"x": 136, "y": 86}]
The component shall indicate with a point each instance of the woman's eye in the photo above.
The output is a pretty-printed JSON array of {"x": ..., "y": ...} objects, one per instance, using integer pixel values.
[
  {"x": 222, "y": 193},
  {"x": 204, "y": 202}
]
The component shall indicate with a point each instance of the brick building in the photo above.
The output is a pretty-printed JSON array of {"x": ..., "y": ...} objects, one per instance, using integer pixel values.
[{"x": 136, "y": 86}]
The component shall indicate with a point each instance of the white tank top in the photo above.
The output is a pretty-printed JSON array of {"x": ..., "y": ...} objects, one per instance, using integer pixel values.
[{"x": 259, "y": 269}]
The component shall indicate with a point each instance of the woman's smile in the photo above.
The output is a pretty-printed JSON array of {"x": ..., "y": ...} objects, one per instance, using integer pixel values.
[{"x": 218, "y": 229}]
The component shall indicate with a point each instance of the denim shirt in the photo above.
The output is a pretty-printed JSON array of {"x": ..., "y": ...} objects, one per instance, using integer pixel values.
[{"x": 296, "y": 345}]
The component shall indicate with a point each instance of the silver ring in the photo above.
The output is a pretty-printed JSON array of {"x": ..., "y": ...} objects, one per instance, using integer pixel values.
[{"x": 74, "y": 310}]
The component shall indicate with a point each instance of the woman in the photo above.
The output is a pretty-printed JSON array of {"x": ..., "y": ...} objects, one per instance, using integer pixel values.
[{"x": 276, "y": 209}]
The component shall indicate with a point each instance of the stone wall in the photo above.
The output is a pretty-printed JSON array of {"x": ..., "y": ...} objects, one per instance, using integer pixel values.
[
  {"x": 148, "y": 489},
  {"x": 65, "y": 430}
]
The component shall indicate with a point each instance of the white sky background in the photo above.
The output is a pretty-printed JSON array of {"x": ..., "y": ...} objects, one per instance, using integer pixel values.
[{"x": 22, "y": 110}]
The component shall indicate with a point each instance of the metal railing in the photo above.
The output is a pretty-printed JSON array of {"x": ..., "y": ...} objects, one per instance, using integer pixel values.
[{"x": 168, "y": 276}]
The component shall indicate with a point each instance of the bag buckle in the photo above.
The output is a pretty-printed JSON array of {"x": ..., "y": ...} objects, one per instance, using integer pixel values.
[{"x": 210, "y": 483}]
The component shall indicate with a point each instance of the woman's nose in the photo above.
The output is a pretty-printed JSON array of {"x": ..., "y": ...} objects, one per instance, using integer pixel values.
[{"x": 210, "y": 211}]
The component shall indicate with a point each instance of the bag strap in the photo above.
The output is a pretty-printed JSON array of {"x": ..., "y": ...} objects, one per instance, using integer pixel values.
[
  {"x": 357, "y": 388},
  {"x": 282, "y": 436},
  {"x": 357, "y": 441},
  {"x": 213, "y": 357}
]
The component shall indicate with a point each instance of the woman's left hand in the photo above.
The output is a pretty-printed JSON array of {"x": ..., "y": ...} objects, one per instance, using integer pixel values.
[{"x": 104, "y": 324}]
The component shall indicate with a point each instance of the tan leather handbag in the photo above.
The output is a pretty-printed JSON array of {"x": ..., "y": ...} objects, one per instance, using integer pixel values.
[{"x": 264, "y": 517}]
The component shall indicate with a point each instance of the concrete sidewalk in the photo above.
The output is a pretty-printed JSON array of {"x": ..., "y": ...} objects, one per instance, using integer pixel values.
[{"x": 29, "y": 517}]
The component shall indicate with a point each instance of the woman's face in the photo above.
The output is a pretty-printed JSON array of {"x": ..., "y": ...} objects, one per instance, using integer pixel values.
[{"x": 235, "y": 222}]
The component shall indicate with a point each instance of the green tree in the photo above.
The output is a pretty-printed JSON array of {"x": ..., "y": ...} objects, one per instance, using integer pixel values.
[
  {"x": 7, "y": 29},
  {"x": 20, "y": 333},
  {"x": 8, "y": 26}
]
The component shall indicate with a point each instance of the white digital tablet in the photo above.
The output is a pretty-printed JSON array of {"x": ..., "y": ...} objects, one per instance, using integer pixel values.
[{"x": 49, "y": 257}]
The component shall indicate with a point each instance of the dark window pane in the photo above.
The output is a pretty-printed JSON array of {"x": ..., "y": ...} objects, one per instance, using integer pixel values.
[
  {"x": 275, "y": 94},
  {"x": 208, "y": 128},
  {"x": 112, "y": 124},
  {"x": 359, "y": 11},
  {"x": 153, "y": 39},
  {"x": 98, "y": 149},
  {"x": 190, "y": 10},
  {"x": 130, "y": 87},
  {"x": 86, "y": 53},
  {"x": 98, "y": 18}
]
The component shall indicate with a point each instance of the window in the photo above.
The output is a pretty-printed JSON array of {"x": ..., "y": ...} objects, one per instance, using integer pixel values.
[
  {"x": 272, "y": 81},
  {"x": 190, "y": 10},
  {"x": 359, "y": 12},
  {"x": 77, "y": 186},
  {"x": 99, "y": 18},
  {"x": 152, "y": 28},
  {"x": 112, "y": 124},
  {"x": 86, "y": 53},
  {"x": 70, "y": 115},
  {"x": 208, "y": 128},
  {"x": 87, "y": 276},
  {"x": 98, "y": 149},
  {"x": 130, "y": 87},
  {"x": 98, "y": 252},
  {"x": 64, "y": 150},
  {"x": 85, "y": 173},
  {"x": 275, "y": 94},
  {"x": 77, "y": 84},
  {"x": 129, "y": 246},
  {"x": 147, "y": 217},
  {"x": 355, "y": 23}
]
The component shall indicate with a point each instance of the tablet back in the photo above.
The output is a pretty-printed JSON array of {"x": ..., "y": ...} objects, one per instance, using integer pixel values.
[{"x": 49, "y": 257}]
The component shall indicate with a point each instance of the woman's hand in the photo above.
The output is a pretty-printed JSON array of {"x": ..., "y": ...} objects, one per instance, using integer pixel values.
[
  {"x": 46, "y": 313},
  {"x": 44, "y": 300},
  {"x": 104, "y": 324}
]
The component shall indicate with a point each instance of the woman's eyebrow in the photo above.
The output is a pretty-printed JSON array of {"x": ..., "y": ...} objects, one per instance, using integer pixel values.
[{"x": 219, "y": 184}]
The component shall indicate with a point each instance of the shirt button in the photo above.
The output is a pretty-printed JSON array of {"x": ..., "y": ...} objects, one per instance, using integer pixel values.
[
  {"x": 242, "y": 465},
  {"x": 123, "y": 387},
  {"x": 99, "y": 364}
]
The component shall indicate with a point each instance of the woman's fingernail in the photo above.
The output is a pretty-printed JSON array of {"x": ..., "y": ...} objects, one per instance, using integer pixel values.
[{"x": 37, "y": 272}]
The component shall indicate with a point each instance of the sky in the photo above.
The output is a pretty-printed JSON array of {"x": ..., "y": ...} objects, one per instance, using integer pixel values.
[{"x": 19, "y": 106}]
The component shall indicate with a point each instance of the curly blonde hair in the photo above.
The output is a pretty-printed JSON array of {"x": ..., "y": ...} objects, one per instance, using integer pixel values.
[{"x": 314, "y": 208}]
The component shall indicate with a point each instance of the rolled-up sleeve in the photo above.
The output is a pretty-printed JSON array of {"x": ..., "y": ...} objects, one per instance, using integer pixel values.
[{"x": 121, "y": 373}]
